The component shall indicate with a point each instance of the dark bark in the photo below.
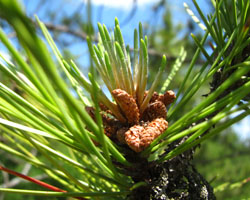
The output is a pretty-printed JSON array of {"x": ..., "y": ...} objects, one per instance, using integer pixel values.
[{"x": 175, "y": 179}]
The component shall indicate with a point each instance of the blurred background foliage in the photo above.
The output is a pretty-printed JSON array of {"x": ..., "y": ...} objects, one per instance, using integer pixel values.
[{"x": 223, "y": 159}]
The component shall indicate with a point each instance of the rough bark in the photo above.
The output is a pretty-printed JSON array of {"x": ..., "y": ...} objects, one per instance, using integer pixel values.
[{"x": 175, "y": 179}]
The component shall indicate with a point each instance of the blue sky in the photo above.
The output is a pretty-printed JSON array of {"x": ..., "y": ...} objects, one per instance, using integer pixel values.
[{"x": 104, "y": 11}]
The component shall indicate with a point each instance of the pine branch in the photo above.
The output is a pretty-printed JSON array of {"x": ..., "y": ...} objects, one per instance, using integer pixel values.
[{"x": 83, "y": 36}]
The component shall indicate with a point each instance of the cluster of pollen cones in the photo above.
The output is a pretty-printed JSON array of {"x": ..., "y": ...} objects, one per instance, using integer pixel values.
[{"x": 141, "y": 128}]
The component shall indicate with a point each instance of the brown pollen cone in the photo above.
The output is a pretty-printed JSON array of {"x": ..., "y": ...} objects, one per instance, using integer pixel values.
[
  {"x": 168, "y": 97},
  {"x": 152, "y": 131},
  {"x": 132, "y": 137},
  {"x": 157, "y": 109},
  {"x": 105, "y": 108},
  {"x": 128, "y": 105},
  {"x": 138, "y": 138},
  {"x": 91, "y": 111},
  {"x": 154, "y": 97},
  {"x": 110, "y": 124}
]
